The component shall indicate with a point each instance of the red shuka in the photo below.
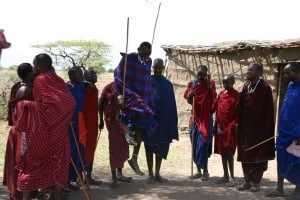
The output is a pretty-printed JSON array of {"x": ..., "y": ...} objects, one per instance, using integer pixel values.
[
  {"x": 90, "y": 112},
  {"x": 226, "y": 120},
  {"x": 45, "y": 149},
  {"x": 205, "y": 97}
]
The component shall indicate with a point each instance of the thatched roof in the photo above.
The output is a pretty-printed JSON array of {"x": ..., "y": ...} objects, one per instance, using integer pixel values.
[{"x": 234, "y": 46}]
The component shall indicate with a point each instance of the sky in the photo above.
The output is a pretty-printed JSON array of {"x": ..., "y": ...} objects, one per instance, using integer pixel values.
[{"x": 180, "y": 22}]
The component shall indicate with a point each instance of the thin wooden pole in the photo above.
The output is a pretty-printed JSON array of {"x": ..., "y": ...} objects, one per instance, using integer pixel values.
[
  {"x": 80, "y": 180},
  {"x": 80, "y": 158},
  {"x": 125, "y": 64},
  {"x": 193, "y": 138},
  {"x": 155, "y": 24},
  {"x": 278, "y": 99},
  {"x": 260, "y": 143}
]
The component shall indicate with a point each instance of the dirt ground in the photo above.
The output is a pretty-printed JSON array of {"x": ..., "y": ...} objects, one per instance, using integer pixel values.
[{"x": 176, "y": 169}]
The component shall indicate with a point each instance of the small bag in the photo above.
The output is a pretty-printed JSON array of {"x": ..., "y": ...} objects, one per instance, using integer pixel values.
[{"x": 294, "y": 149}]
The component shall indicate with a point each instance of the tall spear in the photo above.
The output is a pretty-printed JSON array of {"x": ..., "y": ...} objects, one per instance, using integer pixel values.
[
  {"x": 155, "y": 24},
  {"x": 125, "y": 64}
]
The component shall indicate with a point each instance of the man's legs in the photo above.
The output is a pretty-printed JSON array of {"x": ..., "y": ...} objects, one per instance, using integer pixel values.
[
  {"x": 57, "y": 192},
  {"x": 231, "y": 170},
  {"x": 225, "y": 177},
  {"x": 149, "y": 157},
  {"x": 158, "y": 160},
  {"x": 91, "y": 181},
  {"x": 133, "y": 161}
]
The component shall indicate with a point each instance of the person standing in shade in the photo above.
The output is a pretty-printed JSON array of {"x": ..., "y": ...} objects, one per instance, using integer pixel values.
[
  {"x": 137, "y": 109},
  {"x": 157, "y": 141},
  {"x": 288, "y": 141},
  {"x": 202, "y": 95},
  {"x": 90, "y": 112},
  {"x": 225, "y": 128},
  {"x": 118, "y": 147},
  {"x": 255, "y": 125}
]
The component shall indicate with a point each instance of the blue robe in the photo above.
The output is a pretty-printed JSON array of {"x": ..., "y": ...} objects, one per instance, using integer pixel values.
[
  {"x": 159, "y": 138},
  {"x": 289, "y": 129},
  {"x": 78, "y": 93},
  {"x": 202, "y": 150}
]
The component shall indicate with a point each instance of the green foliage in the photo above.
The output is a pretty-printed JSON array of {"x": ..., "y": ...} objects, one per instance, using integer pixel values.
[
  {"x": 13, "y": 67},
  {"x": 110, "y": 70},
  {"x": 91, "y": 53},
  {"x": 7, "y": 79}
]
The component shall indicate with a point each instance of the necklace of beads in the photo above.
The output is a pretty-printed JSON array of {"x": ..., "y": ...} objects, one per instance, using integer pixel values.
[{"x": 252, "y": 89}]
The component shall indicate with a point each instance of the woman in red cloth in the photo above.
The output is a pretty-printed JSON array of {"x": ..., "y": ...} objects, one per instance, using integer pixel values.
[
  {"x": 19, "y": 91},
  {"x": 225, "y": 128}
]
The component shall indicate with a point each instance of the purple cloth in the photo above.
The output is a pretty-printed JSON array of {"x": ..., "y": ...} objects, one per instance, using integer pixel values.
[{"x": 138, "y": 101}]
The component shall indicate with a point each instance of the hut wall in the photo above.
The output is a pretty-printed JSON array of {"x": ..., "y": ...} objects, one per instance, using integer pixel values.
[{"x": 182, "y": 67}]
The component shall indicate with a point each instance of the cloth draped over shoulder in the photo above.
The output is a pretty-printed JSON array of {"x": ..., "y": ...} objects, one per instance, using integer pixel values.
[
  {"x": 13, "y": 151},
  {"x": 45, "y": 148},
  {"x": 256, "y": 124},
  {"x": 90, "y": 112},
  {"x": 166, "y": 113},
  {"x": 138, "y": 102},
  {"x": 289, "y": 130},
  {"x": 118, "y": 146},
  {"x": 204, "y": 102},
  {"x": 226, "y": 120}
]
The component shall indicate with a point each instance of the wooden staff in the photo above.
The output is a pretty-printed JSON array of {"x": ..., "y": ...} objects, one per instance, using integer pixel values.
[
  {"x": 278, "y": 100},
  {"x": 260, "y": 143},
  {"x": 80, "y": 158},
  {"x": 98, "y": 138},
  {"x": 125, "y": 64},
  {"x": 80, "y": 181},
  {"x": 155, "y": 23},
  {"x": 193, "y": 138}
]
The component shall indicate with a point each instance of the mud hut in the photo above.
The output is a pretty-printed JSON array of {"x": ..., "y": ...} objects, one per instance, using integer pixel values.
[{"x": 229, "y": 58}]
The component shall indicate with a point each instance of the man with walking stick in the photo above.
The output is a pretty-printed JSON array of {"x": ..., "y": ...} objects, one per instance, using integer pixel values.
[
  {"x": 202, "y": 95},
  {"x": 133, "y": 80},
  {"x": 255, "y": 124}
]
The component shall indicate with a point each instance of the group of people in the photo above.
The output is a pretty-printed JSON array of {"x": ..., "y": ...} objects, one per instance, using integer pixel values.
[
  {"x": 245, "y": 120},
  {"x": 54, "y": 125}
]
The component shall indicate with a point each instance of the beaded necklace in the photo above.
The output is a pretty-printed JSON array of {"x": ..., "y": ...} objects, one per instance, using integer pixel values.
[{"x": 252, "y": 89}]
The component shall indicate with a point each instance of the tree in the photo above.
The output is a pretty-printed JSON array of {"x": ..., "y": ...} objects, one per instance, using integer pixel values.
[{"x": 89, "y": 54}]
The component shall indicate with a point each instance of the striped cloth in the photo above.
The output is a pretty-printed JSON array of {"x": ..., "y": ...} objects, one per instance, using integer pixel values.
[
  {"x": 45, "y": 121},
  {"x": 138, "y": 102}
]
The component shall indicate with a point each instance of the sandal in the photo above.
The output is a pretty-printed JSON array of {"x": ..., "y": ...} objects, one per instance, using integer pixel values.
[
  {"x": 244, "y": 186},
  {"x": 94, "y": 182},
  {"x": 124, "y": 179},
  {"x": 150, "y": 179},
  {"x": 161, "y": 179},
  {"x": 255, "y": 187},
  {"x": 114, "y": 183},
  {"x": 205, "y": 176},
  {"x": 196, "y": 176},
  {"x": 135, "y": 167},
  {"x": 231, "y": 182},
  {"x": 222, "y": 180},
  {"x": 275, "y": 193}
]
